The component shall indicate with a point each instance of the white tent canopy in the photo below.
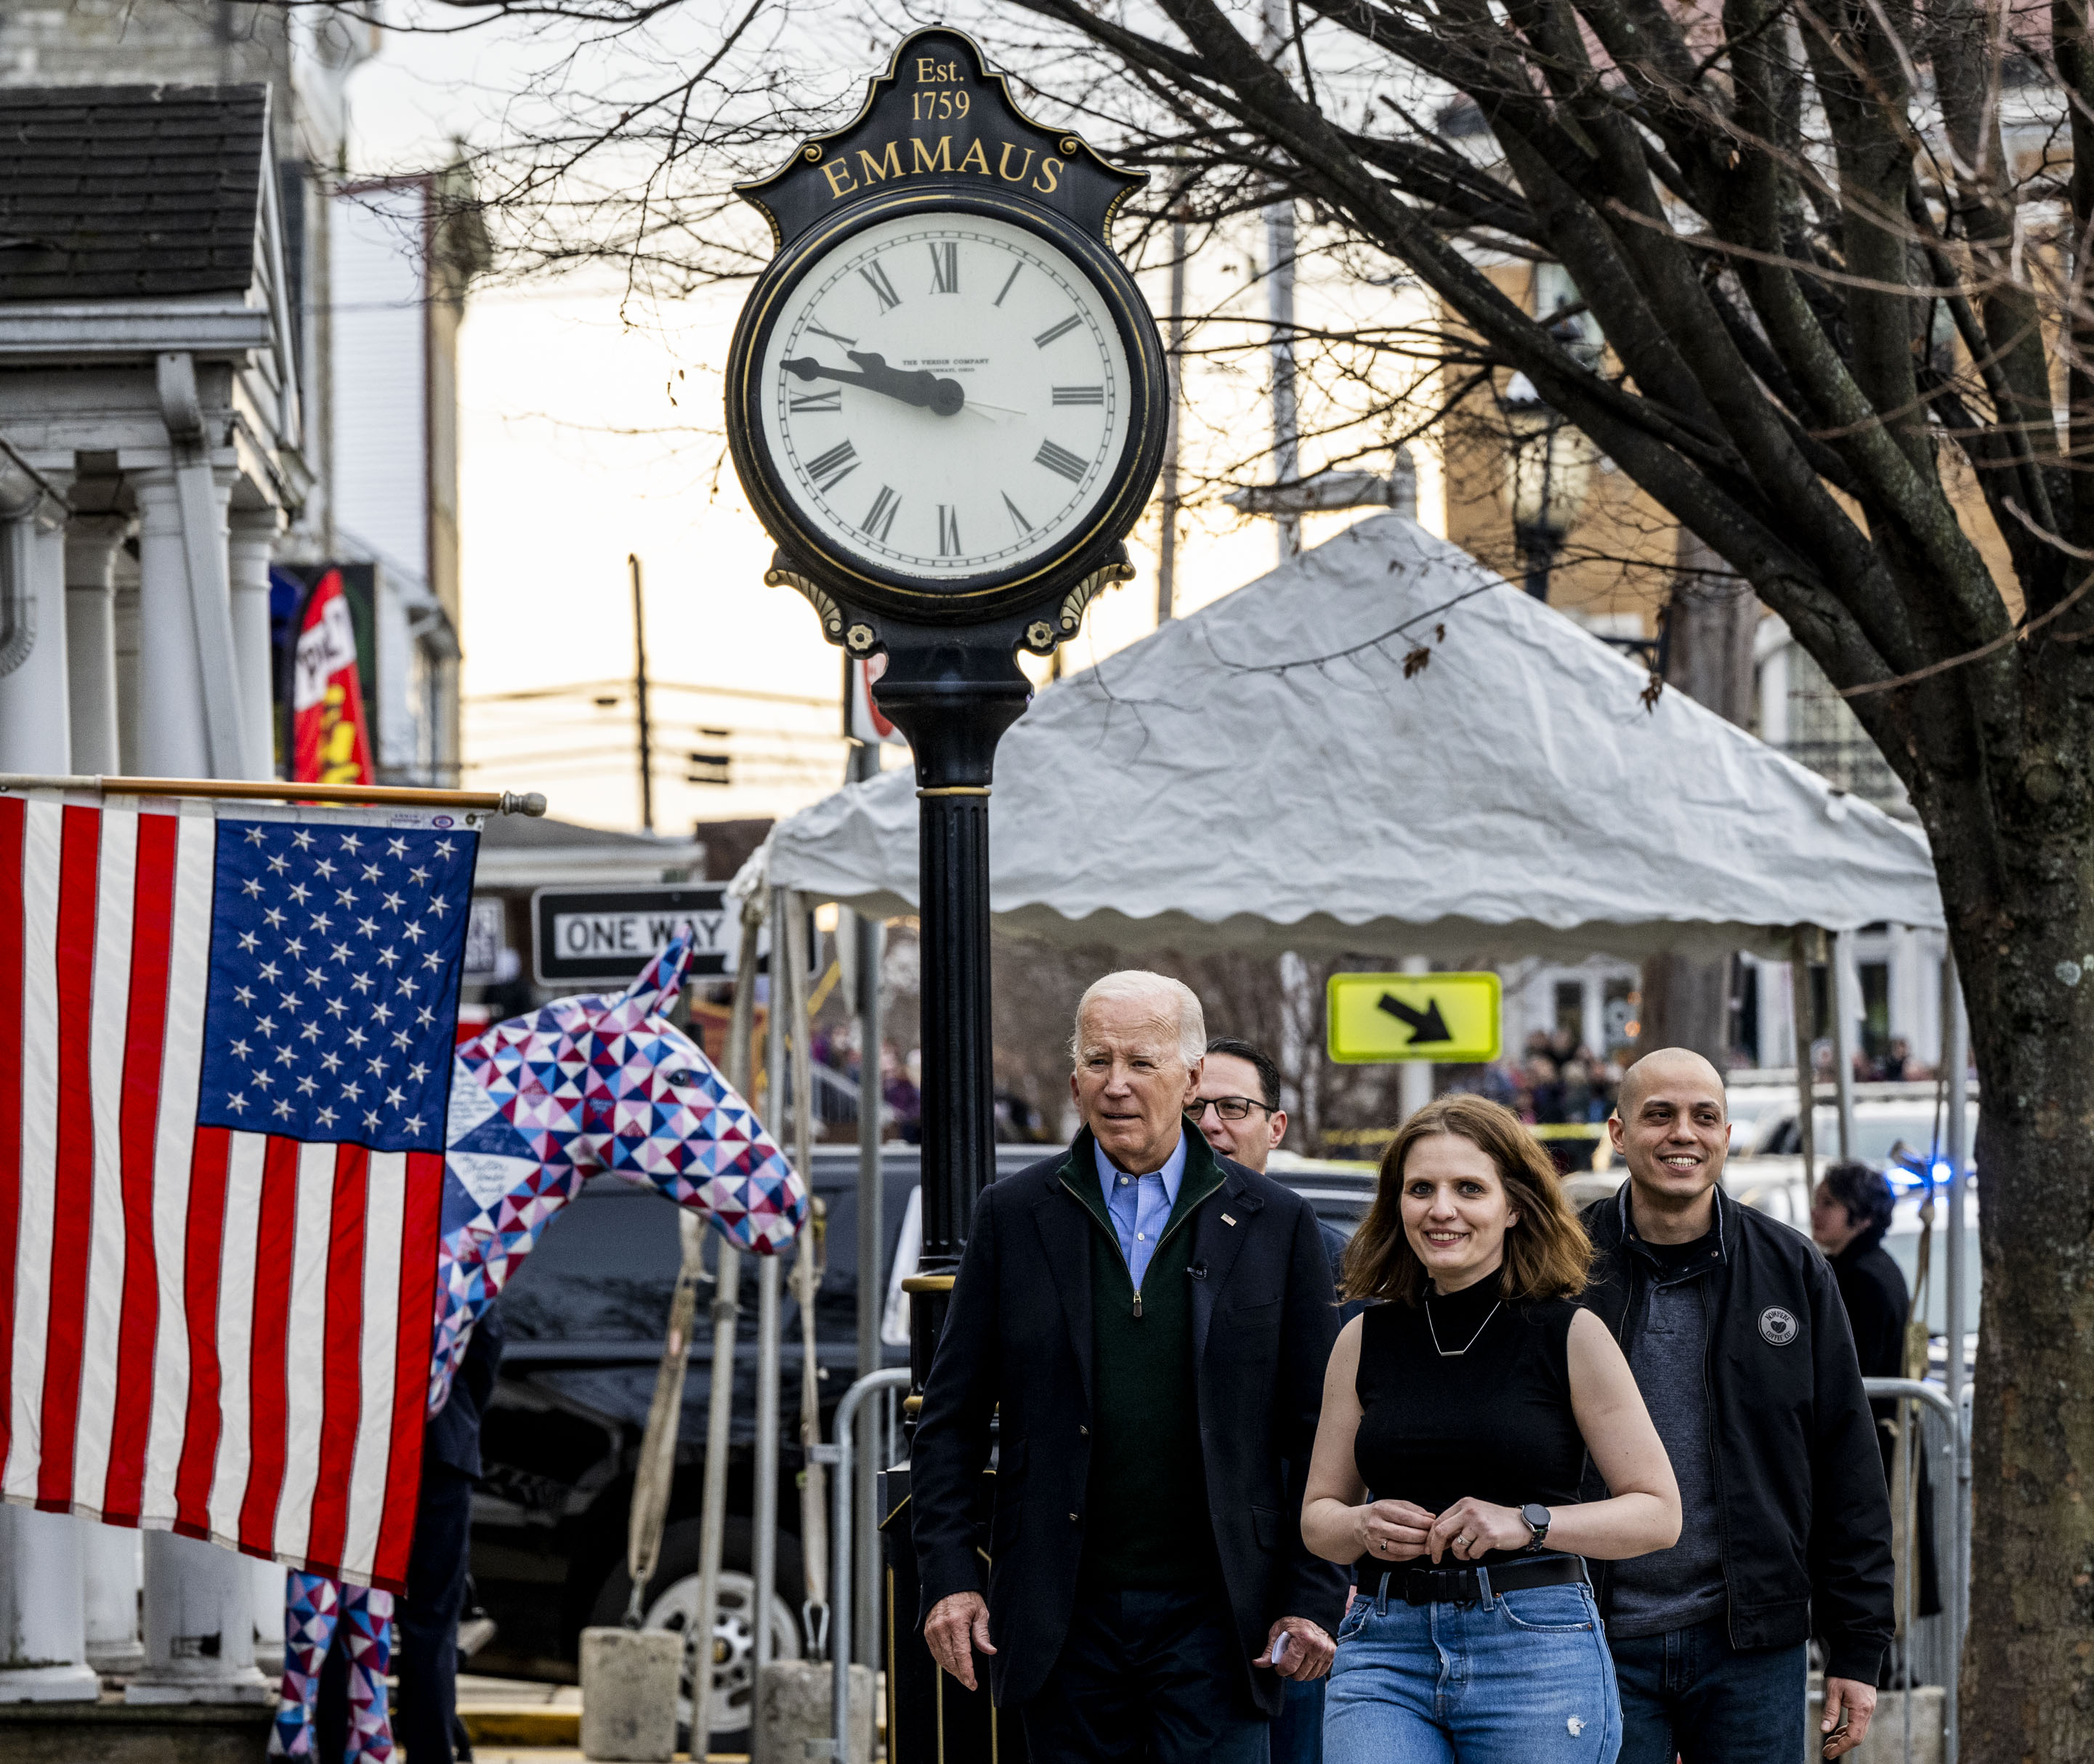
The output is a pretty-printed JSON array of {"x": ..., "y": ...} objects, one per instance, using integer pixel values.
[{"x": 1262, "y": 776}]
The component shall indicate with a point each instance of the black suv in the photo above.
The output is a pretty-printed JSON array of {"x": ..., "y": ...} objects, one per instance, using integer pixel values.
[{"x": 586, "y": 1317}]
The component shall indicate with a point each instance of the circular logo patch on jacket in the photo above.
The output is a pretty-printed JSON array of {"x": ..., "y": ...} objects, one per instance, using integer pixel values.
[{"x": 1778, "y": 1326}]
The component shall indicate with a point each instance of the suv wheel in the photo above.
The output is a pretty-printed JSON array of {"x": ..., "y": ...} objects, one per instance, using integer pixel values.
[{"x": 672, "y": 1604}]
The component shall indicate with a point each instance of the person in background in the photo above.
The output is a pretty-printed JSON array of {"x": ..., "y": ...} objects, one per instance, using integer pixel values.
[
  {"x": 1733, "y": 1326},
  {"x": 1850, "y": 1214},
  {"x": 1238, "y": 1110},
  {"x": 1458, "y": 1414},
  {"x": 1150, "y": 1322},
  {"x": 426, "y": 1723}
]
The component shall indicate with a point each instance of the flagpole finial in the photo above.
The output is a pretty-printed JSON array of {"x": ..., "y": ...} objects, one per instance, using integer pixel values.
[{"x": 529, "y": 803}]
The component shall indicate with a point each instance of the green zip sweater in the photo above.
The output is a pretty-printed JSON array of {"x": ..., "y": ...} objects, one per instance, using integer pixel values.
[{"x": 1147, "y": 1524}]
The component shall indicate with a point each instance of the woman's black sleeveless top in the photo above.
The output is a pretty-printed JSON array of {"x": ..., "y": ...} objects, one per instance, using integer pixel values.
[{"x": 1493, "y": 1421}]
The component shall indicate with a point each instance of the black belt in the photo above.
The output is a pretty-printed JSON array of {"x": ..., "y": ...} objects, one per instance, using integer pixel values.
[{"x": 1459, "y": 1586}]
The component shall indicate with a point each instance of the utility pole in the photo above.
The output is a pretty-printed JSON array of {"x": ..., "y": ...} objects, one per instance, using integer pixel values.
[
  {"x": 640, "y": 695},
  {"x": 1166, "y": 561},
  {"x": 1280, "y": 296}
]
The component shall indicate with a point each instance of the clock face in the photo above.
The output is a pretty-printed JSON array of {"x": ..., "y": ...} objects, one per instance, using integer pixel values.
[{"x": 943, "y": 396}]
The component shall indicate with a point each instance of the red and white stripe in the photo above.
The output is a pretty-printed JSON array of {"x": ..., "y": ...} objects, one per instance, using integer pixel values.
[{"x": 220, "y": 1333}]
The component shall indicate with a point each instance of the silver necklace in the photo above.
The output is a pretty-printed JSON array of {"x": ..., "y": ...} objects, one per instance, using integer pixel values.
[{"x": 1455, "y": 1353}]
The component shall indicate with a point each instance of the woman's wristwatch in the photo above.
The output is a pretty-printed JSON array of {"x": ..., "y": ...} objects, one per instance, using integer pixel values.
[{"x": 1535, "y": 1516}]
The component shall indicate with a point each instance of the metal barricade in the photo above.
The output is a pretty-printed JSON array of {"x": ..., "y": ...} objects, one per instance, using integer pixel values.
[
  {"x": 844, "y": 1499},
  {"x": 1928, "y": 1650}
]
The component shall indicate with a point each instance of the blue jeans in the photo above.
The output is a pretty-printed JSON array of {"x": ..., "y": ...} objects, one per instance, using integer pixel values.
[
  {"x": 1689, "y": 1693},
  {"x": 1512, "y": 1678}
]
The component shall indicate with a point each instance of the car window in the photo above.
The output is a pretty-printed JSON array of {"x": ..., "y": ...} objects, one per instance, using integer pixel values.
[{"x": 604, "y": 1269}]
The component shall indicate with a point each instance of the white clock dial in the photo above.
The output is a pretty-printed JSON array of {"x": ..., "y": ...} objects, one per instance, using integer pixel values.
[{"x": 945, "y": 396}]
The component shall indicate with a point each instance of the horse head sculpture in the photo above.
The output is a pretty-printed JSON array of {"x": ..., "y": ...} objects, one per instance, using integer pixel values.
[{"x": 539, "y": 1104}]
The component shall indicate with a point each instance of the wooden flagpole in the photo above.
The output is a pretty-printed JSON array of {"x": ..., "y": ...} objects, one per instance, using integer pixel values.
[{"x": 279, "y": 790}]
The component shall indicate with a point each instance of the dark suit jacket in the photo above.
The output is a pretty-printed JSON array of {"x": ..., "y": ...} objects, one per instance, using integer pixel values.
[
  {"x": 1018, "y": 1336},
  {"x": 452, "y": 1435}
]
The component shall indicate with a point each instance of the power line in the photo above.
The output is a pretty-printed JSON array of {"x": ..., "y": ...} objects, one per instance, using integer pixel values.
[{"x": 608, "y": 687}]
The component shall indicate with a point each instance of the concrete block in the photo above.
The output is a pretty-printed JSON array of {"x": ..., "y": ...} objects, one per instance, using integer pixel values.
[
  {"x": 792, "y": 1706},
  {"x": 629, "y": 1682}
]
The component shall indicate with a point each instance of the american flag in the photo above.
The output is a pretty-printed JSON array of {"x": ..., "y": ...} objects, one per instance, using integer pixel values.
[{"x": 225, "y": 1039}]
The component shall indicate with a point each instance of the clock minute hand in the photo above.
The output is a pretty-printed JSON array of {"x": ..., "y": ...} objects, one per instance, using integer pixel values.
[{"x": 925, "y": 390}]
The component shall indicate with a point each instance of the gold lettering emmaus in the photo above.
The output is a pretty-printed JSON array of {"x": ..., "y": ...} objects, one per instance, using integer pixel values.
[
  {"x": 835, "y": 169},
  {"x": 942, "y": 161},
  {"x": 888, "y": 165},
  {"x": 1048, "y": 169},
  {"x": 975, "y": 156},
  {"x": 1003, "y": 164}
]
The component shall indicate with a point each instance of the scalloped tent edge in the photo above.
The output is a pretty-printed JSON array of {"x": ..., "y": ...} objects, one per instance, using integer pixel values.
[{"x": 1262, "y": 776}]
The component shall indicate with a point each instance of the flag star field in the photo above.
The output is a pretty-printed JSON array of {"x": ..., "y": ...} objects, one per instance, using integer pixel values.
[{"x": 334, "y": 973}]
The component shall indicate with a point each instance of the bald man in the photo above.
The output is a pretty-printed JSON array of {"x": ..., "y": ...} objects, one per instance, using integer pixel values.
[{"x": 1734, "y": 1327}]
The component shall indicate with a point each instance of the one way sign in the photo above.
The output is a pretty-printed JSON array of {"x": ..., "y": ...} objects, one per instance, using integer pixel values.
[
  {"x": 1451, "y": 1018},
  {"x": 586, "y": 936}
]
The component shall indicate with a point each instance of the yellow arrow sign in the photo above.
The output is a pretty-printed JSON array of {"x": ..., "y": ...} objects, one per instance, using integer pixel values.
[{"x": 1450, "y": 1018}]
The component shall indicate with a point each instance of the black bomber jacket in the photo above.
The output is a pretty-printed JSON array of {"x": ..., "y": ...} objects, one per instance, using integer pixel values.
[{"x": 1804, "y": 1512}]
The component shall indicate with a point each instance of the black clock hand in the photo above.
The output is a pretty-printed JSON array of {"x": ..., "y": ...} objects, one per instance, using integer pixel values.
[{"x": 926, "y": 391}]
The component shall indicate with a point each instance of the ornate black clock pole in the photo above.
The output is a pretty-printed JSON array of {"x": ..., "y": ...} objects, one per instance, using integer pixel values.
[{"x": 946, "y": 401}]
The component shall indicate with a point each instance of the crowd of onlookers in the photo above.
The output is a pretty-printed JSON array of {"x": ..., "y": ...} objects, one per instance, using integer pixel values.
[{"x": 1556, "y": 1080}]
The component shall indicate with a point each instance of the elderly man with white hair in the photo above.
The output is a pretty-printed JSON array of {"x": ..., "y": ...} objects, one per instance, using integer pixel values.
[{"x": 1149, "y": 1322}]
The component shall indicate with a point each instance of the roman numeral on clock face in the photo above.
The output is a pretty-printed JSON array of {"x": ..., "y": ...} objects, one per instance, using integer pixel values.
[
  {"x": 831, "y": 400},
  {"x": 846, "y": 342},
  {"x": 1060, "y": 459},
  {"x": 1007, "y": 281},
  {"x": 1025, "y": 526},
  {"x": 876, "y": 278},
  {"x": 1054, "y": 331},
  {"x": 880, "y": 519},
  {"x": 1079, "y": 394},
  {"x": 830, "y": 469},
  {"x": 946, "y": 268},
  {"x": 949, "y": 531}
]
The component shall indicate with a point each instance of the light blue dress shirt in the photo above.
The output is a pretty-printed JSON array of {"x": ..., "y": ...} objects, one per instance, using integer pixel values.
[{"x": 1141, "y": 1206}]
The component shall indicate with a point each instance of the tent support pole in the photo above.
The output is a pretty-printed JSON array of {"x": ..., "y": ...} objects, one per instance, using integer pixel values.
[
  {"x": 1841, "y": 995},
  {"x": 1806, "y": 1112}
]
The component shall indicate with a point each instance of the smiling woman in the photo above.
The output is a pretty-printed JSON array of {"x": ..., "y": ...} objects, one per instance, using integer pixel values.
[{"x": 1457, "y": 1418}]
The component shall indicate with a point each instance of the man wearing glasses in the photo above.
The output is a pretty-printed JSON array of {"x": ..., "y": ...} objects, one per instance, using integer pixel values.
[
  {"x": 1237, "y": 1109},
  {"x": 1238, "y": 1106}
]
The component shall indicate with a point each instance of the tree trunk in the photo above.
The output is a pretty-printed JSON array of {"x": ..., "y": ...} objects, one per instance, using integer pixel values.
[
  {"x": 2015, "y": 869},
  {"x": 1709, "y": 627}
]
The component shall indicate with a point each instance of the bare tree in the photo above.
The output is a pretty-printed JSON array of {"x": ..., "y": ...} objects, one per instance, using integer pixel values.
[{"x": 1838, "y": 253}]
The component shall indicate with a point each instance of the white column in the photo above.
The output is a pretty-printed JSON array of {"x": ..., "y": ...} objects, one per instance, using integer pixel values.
[
  {"x": 269, "y": 1589},
  {"x": 43, "y": 1631},
  {"x": 115, "y": 1563},
  {"x": 91, "y": 545},
  {"x": 126, "y": 575},
  {"x": 1777, "y": 1016},
  {"x": 199, "y": 1611},
  {"x": 252, "y": 538},
  {"x": 171, "y": 742},
  {"x": 36, "y": 734},
  {"x": 199, "y": 1600}
]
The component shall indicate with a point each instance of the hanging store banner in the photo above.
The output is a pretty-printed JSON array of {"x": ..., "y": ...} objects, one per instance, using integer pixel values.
[{"x": 330, "y": 738}]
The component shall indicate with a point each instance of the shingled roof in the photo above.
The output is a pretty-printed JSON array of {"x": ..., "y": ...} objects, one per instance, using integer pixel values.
[{"x": 129, "y": 193}]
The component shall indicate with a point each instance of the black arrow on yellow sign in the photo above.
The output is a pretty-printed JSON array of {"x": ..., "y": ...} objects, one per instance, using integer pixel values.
[{"x": 1426, "y": 1025}]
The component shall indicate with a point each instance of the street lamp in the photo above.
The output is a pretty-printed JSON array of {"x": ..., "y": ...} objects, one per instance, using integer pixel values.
[{"x": 1548, "y": 467}]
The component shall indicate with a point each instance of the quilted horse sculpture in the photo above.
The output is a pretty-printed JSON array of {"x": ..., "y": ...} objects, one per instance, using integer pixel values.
[{"x": 540, "y": 1104}]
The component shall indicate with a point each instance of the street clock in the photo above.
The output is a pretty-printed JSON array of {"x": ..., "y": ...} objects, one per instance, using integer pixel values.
[{"x": 946, "y": 397}]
